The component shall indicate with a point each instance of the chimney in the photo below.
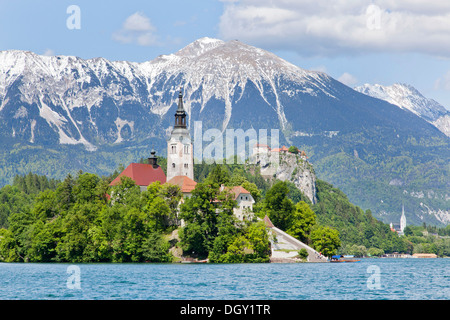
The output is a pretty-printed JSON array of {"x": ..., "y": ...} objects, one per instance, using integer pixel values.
[{"x": 153, "y": 160}]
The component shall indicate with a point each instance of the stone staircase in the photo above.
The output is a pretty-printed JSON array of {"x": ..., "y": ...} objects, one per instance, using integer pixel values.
[{"x": 285, "y": 247}]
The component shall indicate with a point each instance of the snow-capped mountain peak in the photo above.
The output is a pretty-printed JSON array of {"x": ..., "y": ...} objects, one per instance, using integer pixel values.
[
  {"x": 222, "y": 69},
  {"x": 199, "y": 47},
  {"x": 407, "y": 97},
  {"x": 70, "y": 100}
]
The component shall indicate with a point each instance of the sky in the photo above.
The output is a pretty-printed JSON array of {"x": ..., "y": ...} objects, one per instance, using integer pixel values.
[{"x": 354, "y": 41}]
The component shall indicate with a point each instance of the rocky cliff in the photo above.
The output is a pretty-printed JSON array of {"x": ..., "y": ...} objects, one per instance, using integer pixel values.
[{"x": 288, "y": 167}]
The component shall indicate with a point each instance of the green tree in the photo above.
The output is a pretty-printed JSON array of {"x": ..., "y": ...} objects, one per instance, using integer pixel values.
[
  {"x": 85, "y": 188},
  {"x": 408, "y": 231},
  {"x": 325, "y": 240},
  {"x": 258, "y": 237},
  {"x": 156, "y": 249},
  {"x": 375, "y": 252},
  {"x": 303, "y": 254},
  {"x": 199, "y": 213},
  {"x": 127, "y": 193},
  {"x": 304, "y": 219},
  {"x": 278, "y": 207},
  {"x": 172, "y": 196},
  {"x": 9, "y": 251},
  {"x": 64, "y": 193},
  {"x": 44, "y": 239},
  {"x": 192, "y": 239},
  {"x": 238, "y": 250},
  {"x": 218, "y": 176},
  {"x": 46, "y": 205},
  {"x": 12, "y": 200},
  {"x": 293, "y": 149},
  {"x": 227, "y": 230},
  {"x": 159, "y": 214}
]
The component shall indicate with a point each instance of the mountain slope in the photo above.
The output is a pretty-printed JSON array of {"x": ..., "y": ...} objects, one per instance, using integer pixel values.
[
  {"x": 409, "y": 98},
  {"x": 94, "y": 114}
]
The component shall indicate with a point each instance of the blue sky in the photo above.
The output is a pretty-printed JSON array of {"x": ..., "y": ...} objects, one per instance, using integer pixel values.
[{"x": 357, "y": 42}]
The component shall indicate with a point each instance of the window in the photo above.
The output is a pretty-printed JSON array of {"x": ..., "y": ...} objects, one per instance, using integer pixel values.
[
  {"x": 173, "y": 165},
  {"x": 186, "y": 149},
  {"x": 174, "y": 149}
]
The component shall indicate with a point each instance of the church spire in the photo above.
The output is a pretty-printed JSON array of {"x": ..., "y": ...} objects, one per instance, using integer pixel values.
[
  {"x": 180, "y": 115},
  {"x": 180, "y": 155},
  {"x": 403, "y": 220}
]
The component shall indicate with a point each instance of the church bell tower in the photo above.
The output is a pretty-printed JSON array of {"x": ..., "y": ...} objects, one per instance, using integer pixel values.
[{"x": 180, "y": 153}]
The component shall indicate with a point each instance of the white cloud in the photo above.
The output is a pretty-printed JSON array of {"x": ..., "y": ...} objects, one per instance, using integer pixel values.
[
  {"x": 138, "y": 22},
  {"x": 137, "y": 29},
  {"x": 443, "y": 83},
  {"x": 49, "y": 52},
  {"x": 348, "y": 79},
  {"x": 320, "y": 68},
  {"x": 323, "y": 27}
]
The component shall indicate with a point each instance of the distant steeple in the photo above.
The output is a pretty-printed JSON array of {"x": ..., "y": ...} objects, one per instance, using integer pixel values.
[
  {"x": 403, "y": 220},
  {"x": 180, "y": 115}
]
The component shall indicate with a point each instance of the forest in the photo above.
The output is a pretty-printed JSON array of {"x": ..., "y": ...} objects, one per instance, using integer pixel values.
[{"x": 83, "y": 219}]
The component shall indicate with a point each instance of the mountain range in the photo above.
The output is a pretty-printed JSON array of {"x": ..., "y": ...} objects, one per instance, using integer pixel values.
[
  {"x": 60, "y": 114},
  {"x": 409, "y": 98}
]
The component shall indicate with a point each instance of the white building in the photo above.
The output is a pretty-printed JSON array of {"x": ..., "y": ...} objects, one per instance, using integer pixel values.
[
  {"x": 245, "y": 201},
  {"x": 260, "y": 148},
  {"x": 400, "y": 228},
  {"x": 180, "y": 151}
]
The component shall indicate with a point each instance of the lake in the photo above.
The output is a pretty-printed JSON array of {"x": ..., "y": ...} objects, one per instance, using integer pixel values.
[{"x": 371, "y": 279}]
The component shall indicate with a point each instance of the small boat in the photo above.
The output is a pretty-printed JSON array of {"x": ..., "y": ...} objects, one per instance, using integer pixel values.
[
  {"x": 339, "y": 258},
  {"x": 194, "y": 261}
]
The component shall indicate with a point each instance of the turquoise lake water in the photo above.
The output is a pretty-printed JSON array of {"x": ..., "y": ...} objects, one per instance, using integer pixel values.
[{"x": 371, "y": 279}]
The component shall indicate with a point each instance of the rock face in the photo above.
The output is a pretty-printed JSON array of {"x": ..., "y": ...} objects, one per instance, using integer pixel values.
[{"x": 288, "y": 167}]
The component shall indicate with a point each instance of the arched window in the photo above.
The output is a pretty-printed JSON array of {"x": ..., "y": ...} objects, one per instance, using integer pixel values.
[{"x": 173, "y": 165}]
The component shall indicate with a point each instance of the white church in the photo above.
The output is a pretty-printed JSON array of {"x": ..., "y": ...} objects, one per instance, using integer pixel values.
[
  {"x": 180, "y": 153},
  {"x": 400, "y": 228},
  {"x": 180, "y": 166}
]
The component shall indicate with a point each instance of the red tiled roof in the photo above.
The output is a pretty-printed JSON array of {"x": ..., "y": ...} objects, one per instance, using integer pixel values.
[
  {"x": 237, "y": 190},
  {"x": 142, "y": 173},
  {"x": 267, "y": 222},
  {"x": 283, "y": 148},
  {"x": 186, "y": 184}
]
